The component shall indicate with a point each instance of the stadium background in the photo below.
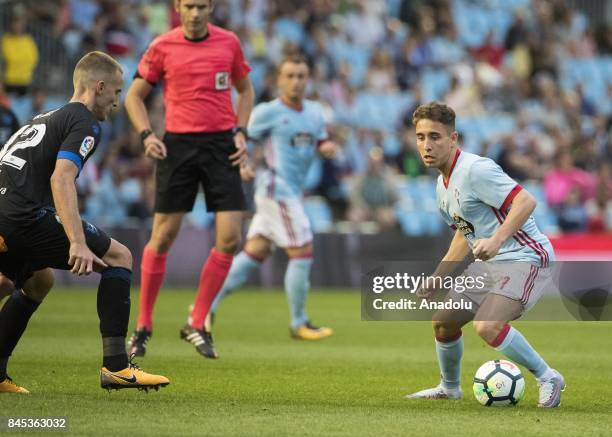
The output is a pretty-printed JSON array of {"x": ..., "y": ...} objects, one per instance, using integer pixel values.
[{"x": 530, "y": 80}]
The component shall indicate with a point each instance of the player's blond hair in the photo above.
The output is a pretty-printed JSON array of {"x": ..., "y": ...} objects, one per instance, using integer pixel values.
[
  {"x": 95, "y": 66},
  {"x": 435, "y": 111}
]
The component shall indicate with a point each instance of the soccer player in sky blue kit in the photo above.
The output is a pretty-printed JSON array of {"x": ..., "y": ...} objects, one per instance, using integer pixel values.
[
  {"x": 296, "y": 132},
  {"x": 491, "y": 214}
]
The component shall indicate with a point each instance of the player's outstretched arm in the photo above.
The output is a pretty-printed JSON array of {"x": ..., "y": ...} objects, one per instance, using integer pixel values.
[
  {"x": 66, "y": 203},
  {"x": 522, "y": 207},
  {"x": 458, "y": 250},
  {"x": 137, "y": 111}
]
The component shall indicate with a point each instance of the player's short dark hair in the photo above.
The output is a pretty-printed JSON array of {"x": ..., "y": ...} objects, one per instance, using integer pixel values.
[
  {"x": 96, "y": 65},
  {"x": 294, "y": 58},
  {"x": 435, "y": 111}
]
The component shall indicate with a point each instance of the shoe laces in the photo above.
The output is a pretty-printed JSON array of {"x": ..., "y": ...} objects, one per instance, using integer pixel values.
[
  {"x": 10, "y": 381},
  {"x": 132, "y": 364},
  {"x": 546, "y": 389}
]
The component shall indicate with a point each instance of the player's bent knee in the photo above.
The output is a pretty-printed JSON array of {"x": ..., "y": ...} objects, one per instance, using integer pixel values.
[
  {"x": 488, "y": 330},
  {"x": 165, "y": 231},
  {"x": 228, "y": 244},
  {"x": 118, "y": 256},
  {"x": 258, "y": 248},
  {"x": 300, "y": 252},
  {"x": 39, "y": 285},
  {"x": 162, "y": 241},
  {"x": 445, "y": 329}
]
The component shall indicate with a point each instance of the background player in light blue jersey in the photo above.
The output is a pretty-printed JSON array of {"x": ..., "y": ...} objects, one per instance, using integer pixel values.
[
  {"x": 492, "y": 217},
  {"x": 296, "y": 132}
]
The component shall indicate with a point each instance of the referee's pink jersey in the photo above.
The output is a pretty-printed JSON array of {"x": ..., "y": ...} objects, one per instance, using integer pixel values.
[{"x": 197, "y": 78}]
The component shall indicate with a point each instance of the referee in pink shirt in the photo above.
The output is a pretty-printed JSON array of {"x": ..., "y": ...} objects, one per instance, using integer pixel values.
[{"x": 205, "y": 143}]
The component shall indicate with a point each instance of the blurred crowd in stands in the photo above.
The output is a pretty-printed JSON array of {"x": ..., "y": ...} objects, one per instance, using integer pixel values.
[{"x": 530, "y": 80}]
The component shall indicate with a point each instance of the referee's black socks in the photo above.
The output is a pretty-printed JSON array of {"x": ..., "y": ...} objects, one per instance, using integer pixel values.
[
  {"x": 14, "y": 318},
  {"x": 114, "y": 314}
]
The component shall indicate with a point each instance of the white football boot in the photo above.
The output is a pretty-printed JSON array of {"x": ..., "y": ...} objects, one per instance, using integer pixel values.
[
  {"x": 438, "y": 392},
  {"x": 550, "y": 390}
]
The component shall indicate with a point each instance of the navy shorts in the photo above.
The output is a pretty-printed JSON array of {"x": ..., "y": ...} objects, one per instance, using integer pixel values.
[{"x": 41, "y": 244}]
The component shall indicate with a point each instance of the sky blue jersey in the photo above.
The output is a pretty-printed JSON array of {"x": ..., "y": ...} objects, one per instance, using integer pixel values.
[
  {"x": 293, "y": 138},
  {"x": 476, "y": 200}
]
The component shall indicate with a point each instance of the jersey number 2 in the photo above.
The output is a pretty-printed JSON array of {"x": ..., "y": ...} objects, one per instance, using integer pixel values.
[{"x": 27, "y": 136}]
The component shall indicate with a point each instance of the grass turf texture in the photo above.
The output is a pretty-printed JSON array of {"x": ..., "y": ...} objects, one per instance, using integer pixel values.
[{"x": 267, "y": 384}]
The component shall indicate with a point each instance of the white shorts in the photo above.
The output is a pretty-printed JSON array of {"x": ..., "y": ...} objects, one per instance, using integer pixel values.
[
  {"x": 518, "y": 281},
  {"x": 283, "y": 222}
]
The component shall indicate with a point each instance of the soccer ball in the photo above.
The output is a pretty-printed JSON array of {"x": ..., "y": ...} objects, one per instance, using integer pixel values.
[{"x": 499, "y": 383}]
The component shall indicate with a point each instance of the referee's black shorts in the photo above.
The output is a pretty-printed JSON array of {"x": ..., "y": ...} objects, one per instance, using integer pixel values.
[
  {"x": 41, "y": 244},
  {"x": 194, "y": 159}
]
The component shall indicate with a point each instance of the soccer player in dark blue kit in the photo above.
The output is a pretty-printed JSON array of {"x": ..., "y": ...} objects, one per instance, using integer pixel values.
[{"x": 40, "y": 225}]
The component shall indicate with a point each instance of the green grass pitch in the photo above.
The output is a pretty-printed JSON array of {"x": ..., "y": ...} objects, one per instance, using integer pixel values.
[{"x": 267, "y": 384}]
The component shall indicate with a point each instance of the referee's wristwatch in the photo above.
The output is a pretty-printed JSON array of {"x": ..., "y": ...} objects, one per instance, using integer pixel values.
[
  {"x": 242, "y": 130},
  {"x": 145, "y": 134}
]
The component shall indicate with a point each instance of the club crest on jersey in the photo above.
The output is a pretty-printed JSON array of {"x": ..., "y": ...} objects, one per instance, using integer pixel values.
[
  {"x": 463, "y": 225},
  {"x": 222, "y": 80},
  {"x": 86, "y": 146}
]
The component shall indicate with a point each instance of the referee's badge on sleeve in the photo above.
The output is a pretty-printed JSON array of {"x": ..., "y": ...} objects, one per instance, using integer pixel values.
[{"x": 222, "y": 80}]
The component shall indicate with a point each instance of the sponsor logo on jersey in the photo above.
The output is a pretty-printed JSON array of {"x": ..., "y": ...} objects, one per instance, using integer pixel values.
[
  {"x": 463, "y": 225},
  {"x": 302, "y": 139},
  {"x": 86, "y": 146},
  {"x": 222, "y": 80}
]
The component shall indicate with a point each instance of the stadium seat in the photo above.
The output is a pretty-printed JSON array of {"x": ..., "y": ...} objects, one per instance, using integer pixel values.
[
  {"x": 381, "y": 111},
  {"x": 289, "y": 29},
  {"x": 411, "y": 222},
  {"x": 435, "y": 83},
  {"x": 257, "y": 75},
  {"x": 22, "y": 107},
  {"x": 433, "y": 224}
]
